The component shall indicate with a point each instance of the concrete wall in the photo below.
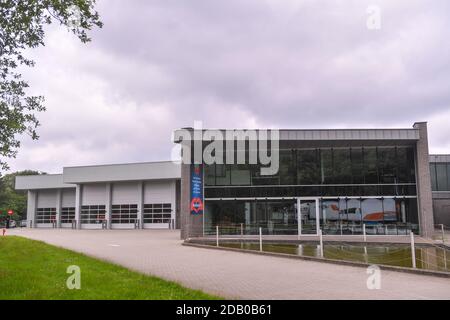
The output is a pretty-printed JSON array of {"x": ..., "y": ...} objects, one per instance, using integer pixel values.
[{"x": 423, "y": 177}]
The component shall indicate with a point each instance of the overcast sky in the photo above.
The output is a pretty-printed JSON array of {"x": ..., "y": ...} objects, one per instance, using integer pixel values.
[{"x": 159, "y": 65}]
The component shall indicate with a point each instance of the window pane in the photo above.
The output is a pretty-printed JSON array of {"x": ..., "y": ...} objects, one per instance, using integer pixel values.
[
  {"x": 372, "y": 210},
  {"x": 326, "y": 162},
  {"x": 308, "y": 169},
  {"x": 287, "y": 167},
  {"x": 405, "y": 165},
  {"x": 240, "y": 174},
  {"x": 390, "y": 212},
  {"x": 342, "y": 166},
  {"x": 441, "y": 172},
  {"x": 330, "y": 216},
  {"x": 222, "y": 175},
  {"x": 210, "y": 175},
  {"x": 387, "y": 163},
  {"x": 433, "y": 176},
  {"x": 448, "y": 177},
  {"x": 370, "y": 165},
  {"x": 357, "y": 166}
]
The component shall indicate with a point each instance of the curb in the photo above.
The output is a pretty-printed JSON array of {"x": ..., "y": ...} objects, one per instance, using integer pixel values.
[{"x": 324, "y": 260}]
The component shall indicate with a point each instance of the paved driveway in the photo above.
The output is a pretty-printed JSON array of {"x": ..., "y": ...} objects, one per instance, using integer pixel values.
[{"x": 234, "y": 274}]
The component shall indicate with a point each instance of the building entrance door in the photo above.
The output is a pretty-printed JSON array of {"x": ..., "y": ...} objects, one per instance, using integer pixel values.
[{"x": 308, "y": 216}]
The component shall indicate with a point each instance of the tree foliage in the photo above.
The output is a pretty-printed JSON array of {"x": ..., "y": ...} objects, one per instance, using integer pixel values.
[
  {"x": 11, "y": 199},
  {"x": 22, "y": 24}
]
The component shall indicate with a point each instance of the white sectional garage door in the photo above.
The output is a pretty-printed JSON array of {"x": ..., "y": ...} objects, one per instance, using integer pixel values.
[
  {"x": 125, "y": 198},
  {"x": 67, "y": 208},
  {"x": 94, "y": 194},
  {"x": 68, "y": 198},
  {"x": 160, "y": 191},
  {"x": 46, "y": 199},
  {"x": 93, "y": 209},
  {"x": 46, "y": 208},
  {"x": 159, "y": 204},
  {"x": 125, "y": 193}
]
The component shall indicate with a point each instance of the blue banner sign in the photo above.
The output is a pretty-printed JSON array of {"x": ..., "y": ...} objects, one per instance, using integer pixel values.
[{"x": 197, "y": 205}]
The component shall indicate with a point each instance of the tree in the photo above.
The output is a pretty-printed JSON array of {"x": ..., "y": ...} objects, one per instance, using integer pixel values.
[
  {"x": 22, "y": 25},
  {"x": 11, "y": 199}
]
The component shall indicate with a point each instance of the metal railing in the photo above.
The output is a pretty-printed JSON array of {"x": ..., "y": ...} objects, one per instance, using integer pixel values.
[{"x": 252, "y": 229}]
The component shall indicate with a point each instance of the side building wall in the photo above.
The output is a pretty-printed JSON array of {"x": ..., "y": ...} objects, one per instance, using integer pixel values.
[{"x": 441, "y": 208}]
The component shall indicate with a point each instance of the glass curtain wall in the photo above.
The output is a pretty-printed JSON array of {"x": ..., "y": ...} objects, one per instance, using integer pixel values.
[
  {"x": 337, "y": 166},
  {"x": 340, "y": 216},
  {"x": 440, "y": 176},
  {"x": 380, "y": 216},
  {"x": 233, "y": 217},
  {"x": 375, "y": 186}
]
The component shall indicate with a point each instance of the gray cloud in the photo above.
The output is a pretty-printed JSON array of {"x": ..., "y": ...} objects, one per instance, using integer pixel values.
[{"x": 159, "y": 65}]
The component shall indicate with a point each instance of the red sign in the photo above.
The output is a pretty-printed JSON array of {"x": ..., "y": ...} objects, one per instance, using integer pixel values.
[{"x": 10, "y": 212}]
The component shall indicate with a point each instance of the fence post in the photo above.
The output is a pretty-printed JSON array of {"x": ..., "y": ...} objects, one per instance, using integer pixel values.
[
  {"x": 260, "y": 239},
  {"x": 217, "y": 236},
  {"x": 242, "y": 230},
  {"x": 413, "y": 250},
  {"x": 364, "y": 232},
  {"x": 443, "y": 233},
  {"x": 321, "y": 243}
]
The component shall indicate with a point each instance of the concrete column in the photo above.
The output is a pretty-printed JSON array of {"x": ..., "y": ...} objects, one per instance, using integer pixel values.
[
  {"x": 174, "y": 204},
  {"x": 177, "y": 204},
  {"x": 31, "y": 206},
  {"x": 140, "y": 204},
  {"x": 58, "y": 207},
  {"x": 108, "y": 205},
  {"x": 191, "y": 225},
  {"x": 424, "y": 195},
  {"x": 78, "y": 202}
]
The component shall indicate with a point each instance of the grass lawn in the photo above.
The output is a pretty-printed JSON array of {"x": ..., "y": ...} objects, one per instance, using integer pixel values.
[{"x": 35, "y": 270}]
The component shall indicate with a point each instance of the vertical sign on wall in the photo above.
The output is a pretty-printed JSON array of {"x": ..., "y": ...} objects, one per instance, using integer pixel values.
[{"x": 197, "y": 189}]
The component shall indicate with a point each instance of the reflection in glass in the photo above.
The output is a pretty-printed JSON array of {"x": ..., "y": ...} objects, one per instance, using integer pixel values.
[
  {"x": 387, "y": 162},
  {"x": 370, "y": 165},
  {"x": 326, "y": 166},
  {"x": 356, "y": 156},
  {"x": 441, "y": 172},
  {"x": 287, "y": 167},
  {"x": 240, "y": 174},
  {"x": 210, "y": 175},
  {"x": 308, "y": 167},
  {"x": 342, "y": 166},
  {"x": 223, "y": 177},
  {"x": 308, "y": 215}
]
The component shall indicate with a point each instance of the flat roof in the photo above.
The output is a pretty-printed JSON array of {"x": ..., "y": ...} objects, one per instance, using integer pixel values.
[
  {"x": 122, "y": 172},
  {"x": 322, "y": 134},
  {"x": 43, "y": 181},
  {"x": 440, "y": 158}
]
